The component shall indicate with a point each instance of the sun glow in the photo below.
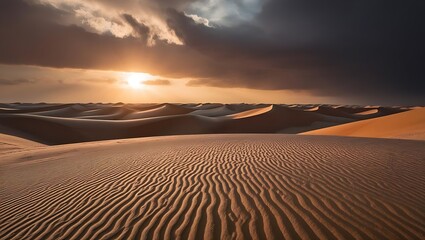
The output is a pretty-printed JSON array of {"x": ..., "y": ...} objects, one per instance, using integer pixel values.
[{"x": 135, "y": 80}]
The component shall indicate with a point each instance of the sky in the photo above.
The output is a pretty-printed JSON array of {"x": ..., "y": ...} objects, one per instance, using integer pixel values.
[{"x": 255, "y": 51}]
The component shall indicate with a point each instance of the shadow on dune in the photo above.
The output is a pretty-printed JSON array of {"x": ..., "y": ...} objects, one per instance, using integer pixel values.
[{"x": 71, "y": 123}]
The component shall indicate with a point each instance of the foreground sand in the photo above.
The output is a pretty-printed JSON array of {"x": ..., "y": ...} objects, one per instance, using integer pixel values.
[{"x": 216, "y": 187}]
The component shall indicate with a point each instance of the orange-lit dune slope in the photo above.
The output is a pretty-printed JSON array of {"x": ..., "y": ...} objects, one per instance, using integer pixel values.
[{"x": 405, "y": 125}]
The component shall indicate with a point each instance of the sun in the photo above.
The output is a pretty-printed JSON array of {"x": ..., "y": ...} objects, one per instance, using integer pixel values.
[{"x": 135, "y": 80}]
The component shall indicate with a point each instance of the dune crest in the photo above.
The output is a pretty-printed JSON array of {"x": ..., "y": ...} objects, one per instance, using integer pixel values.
[
  {"x": 10, "y": 143},
  {"x": 162, "y": 110},
  {"x": 367, "y": 112},
  {"x": 405, "y": 125},
  {"x": 72, "y": 123},
  {"x": 214, "y": 112},
  {"x": 250, "y": 113}
]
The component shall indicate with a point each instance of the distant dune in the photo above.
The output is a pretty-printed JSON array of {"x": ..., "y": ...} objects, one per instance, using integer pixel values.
[
  {"x": 406, "y": 125},
  {"x": 71, "y": 123},
  {"x": 216, "y": 187}
]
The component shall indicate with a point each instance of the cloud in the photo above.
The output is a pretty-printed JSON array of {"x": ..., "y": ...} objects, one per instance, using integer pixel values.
[
  {"x": 31, "y": 36},
  {"x": 227, "y": 12},
  {"x": 324, "y": 53},
  {"x": 358, "y": 50},
  {"x": 98, "y": 80},
  {"x": 157, "y": 82},
  {"x": 106, "y": 17},
  {"x": 11, "y": 82},
  {"x": 103, "y": 25},
  {"x": 140, "y": 29},
  {"x": 199, "y": 20}
]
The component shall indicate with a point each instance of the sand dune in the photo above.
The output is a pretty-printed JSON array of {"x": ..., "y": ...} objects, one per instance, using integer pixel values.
[
  {"x": 355, "y": 113},
  {"x": 405, "y": 125},
  {"x": 24, "y": 108},
  {"x": 54, "y": 130},
  {"x": 162, "y": 110},
  {"x": 233, "y": 186},
  {"x": 311, "y": 109},
  {"x": 71, "y": 123},
  {"x": 274, "y": 118},
  {"x": 204, "y": 106},
  {"x": 367, "y": 112},
  {"x": 214, "y": 112},
  {"x": 250, "y": 113},
  {"x": 330, "y": 111},
  {"x": 10, "y": 143},
  {"x": 66, "y": 111},
  {"x": 216, "y": 187},
  {"x": 109, "y": 113}
]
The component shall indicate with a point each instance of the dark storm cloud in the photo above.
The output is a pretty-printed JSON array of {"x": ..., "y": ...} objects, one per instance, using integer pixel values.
[
  {"x": 30, "y": 36},
  {"x": 360, "y": 49},
  {"x": 332, "y": 48},
  {"x": 141, "y": 29}
]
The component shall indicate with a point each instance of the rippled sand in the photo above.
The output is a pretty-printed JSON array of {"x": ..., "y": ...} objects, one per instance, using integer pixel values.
[{"x": 216, "y": 187}]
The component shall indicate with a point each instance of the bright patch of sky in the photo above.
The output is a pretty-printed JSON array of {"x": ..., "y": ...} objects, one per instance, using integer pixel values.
[{"x": 226, "y": 12}]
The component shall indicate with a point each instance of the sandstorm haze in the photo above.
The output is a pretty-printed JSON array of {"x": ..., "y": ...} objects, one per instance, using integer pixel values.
[{"x": 212, "y": 51}]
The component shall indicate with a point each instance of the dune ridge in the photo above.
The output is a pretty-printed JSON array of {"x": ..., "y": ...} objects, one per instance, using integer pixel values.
[
  {"x": 10, "y": 143},
  {"x": 405, "y": 125},
  {"x": 216, "y": 187},
  {"x": 72, "y": 123}
]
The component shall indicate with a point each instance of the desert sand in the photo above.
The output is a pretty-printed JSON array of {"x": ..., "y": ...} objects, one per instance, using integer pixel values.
[
  {"x": 216, "y": 187},
  {"x": 406, "y": 125},
  {"x": 107, "y": 171},
  {"x": 10, "y": 143}
]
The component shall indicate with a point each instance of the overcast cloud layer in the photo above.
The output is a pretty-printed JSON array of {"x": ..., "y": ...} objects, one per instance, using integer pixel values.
[{"x": 353, "y": 50}]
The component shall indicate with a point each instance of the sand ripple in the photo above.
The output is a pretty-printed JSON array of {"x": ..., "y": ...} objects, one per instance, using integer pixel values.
[{"x": 216, "y": 187}]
